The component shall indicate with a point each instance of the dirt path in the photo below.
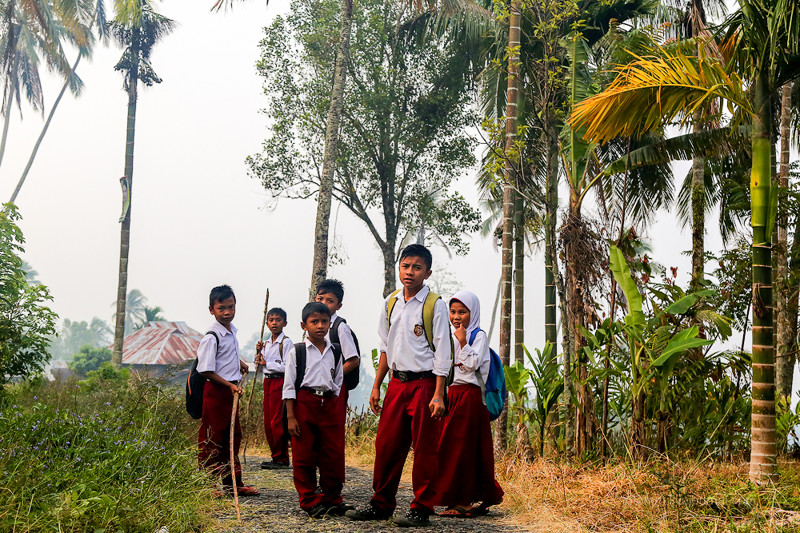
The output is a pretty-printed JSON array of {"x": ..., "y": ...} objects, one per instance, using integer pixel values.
[{"x": 277, "y": 510}]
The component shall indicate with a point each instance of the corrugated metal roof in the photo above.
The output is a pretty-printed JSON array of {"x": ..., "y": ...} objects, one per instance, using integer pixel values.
[{"x": 161, "y": 343}]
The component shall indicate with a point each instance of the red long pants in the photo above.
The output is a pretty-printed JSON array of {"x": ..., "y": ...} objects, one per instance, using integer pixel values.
[
  {"x": 214, "y": 437},
  {"x": 275, "y": 421},
  {"x": 466, "y": 453},
  {"x": 320, "y": 445},
  {"x": 406, "y": 421}
]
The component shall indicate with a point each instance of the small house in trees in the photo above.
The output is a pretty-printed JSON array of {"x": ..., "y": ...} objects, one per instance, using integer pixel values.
[{"x": 161, "y": 349}]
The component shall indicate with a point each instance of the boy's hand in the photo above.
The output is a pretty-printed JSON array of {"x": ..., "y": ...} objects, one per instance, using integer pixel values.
[
  {"x": 461, "y": 334},
  {"x": 259, "y": 347},
  {"x": 259, "y": 360},
  {"x": 375, "y": 401},
  {"x": 294, "y": 427},
  {"x": 235, "y": 389},
  {"x": 437, "y": 407},
  {"x": 243, "y": 367}
]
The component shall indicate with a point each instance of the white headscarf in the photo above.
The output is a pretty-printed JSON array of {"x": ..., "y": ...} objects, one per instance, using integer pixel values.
[{"x": 472, "y": 303}]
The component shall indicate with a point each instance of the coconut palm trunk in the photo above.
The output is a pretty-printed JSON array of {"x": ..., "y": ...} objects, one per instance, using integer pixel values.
[
  {"x": 512, "y": 97},
  {"x": 763, "y": 467},
  {"x": 551, "y": 257},
  {"x": 43, "y": 133},
  {"x": 698, "y": 214},
  {"x": 125, "y": 232},
  {"x": 7, "y": 121},
  {"x": 785, "y": 358},
  {"x": 319, "y": 270}
]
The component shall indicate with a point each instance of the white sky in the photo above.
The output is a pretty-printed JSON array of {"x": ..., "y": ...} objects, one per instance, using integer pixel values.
[{"x": 198, "y": 220}]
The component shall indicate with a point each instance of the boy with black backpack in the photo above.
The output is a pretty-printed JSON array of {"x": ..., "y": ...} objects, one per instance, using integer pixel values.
[
  {"x": 271, "y": 354},
  {"x": 219, "y": 363},
  {"x": 331, "y": 293},
  {"x": 311, "y": 387}
]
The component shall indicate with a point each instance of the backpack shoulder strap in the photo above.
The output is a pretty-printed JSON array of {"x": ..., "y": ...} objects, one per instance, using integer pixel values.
[
  {"x": 300, "y": 354},
  {"x": 337, "y": 354},
  {"x": 280, "y": 347},
  {"x": 390, "y": 306},
  {"x": 214, "y": 334},
  {"x": 478, "y": 371},
  {"x": 427, "y": 316},
  {"x": 335, "y": 329},
  {"x": 473, "y": 335}
]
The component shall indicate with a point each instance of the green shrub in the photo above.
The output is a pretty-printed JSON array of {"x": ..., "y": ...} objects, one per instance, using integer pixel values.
[{"x": 115, "y": 453}]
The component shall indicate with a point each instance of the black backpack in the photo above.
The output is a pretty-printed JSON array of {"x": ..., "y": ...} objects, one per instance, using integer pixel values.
[
  {"x": 350, "y": 381},
  {"x": 194, "y": 388},
  {"x": 300, "y": 357}
]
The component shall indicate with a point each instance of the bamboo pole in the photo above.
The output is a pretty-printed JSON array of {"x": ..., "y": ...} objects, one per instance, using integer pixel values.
[{"x": 255, "y": 377}]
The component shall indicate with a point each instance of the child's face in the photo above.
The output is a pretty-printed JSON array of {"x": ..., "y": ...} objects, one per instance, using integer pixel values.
[
  {"x": 317, "y": 326},
  {"x": 275, "y": 323},
  {"x": 459, "y": 315},
  {"x": 330, "y": 300},
  {"x": 413, "y": 272},
  {"x": 224, "y": 311}
]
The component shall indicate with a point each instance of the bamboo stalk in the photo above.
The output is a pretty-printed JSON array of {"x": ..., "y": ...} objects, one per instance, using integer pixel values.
[{"x": 255, "y": 377}]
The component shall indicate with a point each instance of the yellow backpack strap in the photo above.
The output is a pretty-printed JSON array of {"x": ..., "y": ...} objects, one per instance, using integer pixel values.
[
  {"x": 390, "y": 307},
  {"x": 427, "y": 316},
  {"x": 280, "y": 347}
]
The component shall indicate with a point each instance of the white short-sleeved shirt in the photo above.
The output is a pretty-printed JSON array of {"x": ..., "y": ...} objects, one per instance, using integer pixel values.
[
  {"x": 275, "y": 363},
  {"x": 470, "y": 358},
  {"x": 346, "y": 341},
  {"x": 405, "y": 343},
  {"x": 222, "y": 359},
  {"x": 322, "y": 372}
]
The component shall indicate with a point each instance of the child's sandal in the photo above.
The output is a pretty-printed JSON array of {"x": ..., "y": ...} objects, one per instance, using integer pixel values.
[{"x": 456, "y": 511}]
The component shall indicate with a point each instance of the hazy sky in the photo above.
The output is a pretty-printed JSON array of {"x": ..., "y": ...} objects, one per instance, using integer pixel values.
[{"x": 198, "y": 219}]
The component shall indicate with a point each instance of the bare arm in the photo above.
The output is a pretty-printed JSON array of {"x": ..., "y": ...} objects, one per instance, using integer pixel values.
[
  {"x": 437, "y": 402},
  {"x": 294, "y": 427},
  {"x": 380, "y": 375}
]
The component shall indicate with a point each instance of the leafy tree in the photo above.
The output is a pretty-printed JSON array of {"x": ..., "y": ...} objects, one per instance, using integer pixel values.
[
  {"x": 136, "y": 27},
  {"x": 25, "y": 323},
  {"x": 89, "y": 359},
  {"x": 72, "y": 335},
  {"x": 404, "y": 115}
]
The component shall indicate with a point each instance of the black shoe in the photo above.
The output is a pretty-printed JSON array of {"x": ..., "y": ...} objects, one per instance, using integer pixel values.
[
  {"x": 340, "y": 509},
  {"x": 318, "y": 511},
  {"x": 370, "y": 512},
  {"x": 274, "y": 465},
  {"x": 413, "y": 518}
]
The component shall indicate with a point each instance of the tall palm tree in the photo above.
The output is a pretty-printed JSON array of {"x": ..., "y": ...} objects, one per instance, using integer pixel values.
[
  {"x": 32, "y": 31},
  {"x": 763, "y": 43},
  {"x": 785, "y": 357},
  {"x": 97, "y": 19},
  {"x": 137, "y": 27}
]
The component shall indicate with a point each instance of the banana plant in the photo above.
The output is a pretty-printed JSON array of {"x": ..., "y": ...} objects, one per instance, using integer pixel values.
[{"x": 548, "y": 385}]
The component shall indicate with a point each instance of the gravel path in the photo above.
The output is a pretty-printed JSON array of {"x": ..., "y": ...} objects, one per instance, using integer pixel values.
[{"x": 277, "y": 510}]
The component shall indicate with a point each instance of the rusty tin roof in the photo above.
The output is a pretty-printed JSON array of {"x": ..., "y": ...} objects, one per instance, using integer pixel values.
[{"x": 161, "y": 343}]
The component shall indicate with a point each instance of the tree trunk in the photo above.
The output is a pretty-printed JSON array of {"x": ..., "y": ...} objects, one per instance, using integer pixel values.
[
  {"x": 319, "y": 270},
  {"x": 784, "y": 360},
  {"x": 519, "y": 278},
  {"x": 569, "y": 351},
  {"x": 763, "y": 466},
  {"x": 43, "y": 133},
  {"x": 125, "y": 233},
  {"x": 512, "y": 96},
  {"x": 6, "y": 123},
  {"x": 698, "y": 215},
  {"x": 389, "y": 273}
]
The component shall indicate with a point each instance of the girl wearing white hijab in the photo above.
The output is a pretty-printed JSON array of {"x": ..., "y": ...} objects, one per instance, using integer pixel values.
[{"x": 466, "y": 482}]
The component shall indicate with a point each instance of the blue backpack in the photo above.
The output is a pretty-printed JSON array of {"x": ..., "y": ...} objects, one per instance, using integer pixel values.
[{"x": 494, "y": 390}]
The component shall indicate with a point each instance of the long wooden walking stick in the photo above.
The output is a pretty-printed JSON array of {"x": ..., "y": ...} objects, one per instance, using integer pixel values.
[
  {"x": 233, "y": 455},
  {"x": 255, "y": 378}
]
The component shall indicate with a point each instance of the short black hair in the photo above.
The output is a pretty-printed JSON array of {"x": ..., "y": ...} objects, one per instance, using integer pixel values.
[
  {"x": 277, "y": 311},
  {"x": 315, "y": 307},
  {"x": 220, "y": 294},
  {"x": 417, "y": 250},
  {"x": 331, "y": 286}
]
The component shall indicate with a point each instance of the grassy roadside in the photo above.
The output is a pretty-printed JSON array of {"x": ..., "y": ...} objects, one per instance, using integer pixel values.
[{"x": 562, "y": 496}]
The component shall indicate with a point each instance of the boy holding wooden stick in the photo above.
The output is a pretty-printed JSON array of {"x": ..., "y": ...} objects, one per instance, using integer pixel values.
[{"x": 218, "y": 361}]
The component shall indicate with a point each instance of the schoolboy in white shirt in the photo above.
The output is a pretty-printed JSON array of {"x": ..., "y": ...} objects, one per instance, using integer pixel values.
[
  {"x": 218, "y": 361},
  {"x": 311, "y": 387},
  {"x": 272, "y": 354}
]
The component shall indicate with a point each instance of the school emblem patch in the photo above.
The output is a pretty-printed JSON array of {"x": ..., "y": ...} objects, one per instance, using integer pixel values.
[{"x": 418, "y": 330}]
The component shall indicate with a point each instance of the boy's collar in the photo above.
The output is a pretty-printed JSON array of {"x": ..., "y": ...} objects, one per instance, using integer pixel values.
[
  {"x": 421, "y": 294},
  {"x": 328, "y": 343},
  {"x": 334, "y": 316},
  {"x": 222, "y": 329},
  {"x": 278, "y": 338}
]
